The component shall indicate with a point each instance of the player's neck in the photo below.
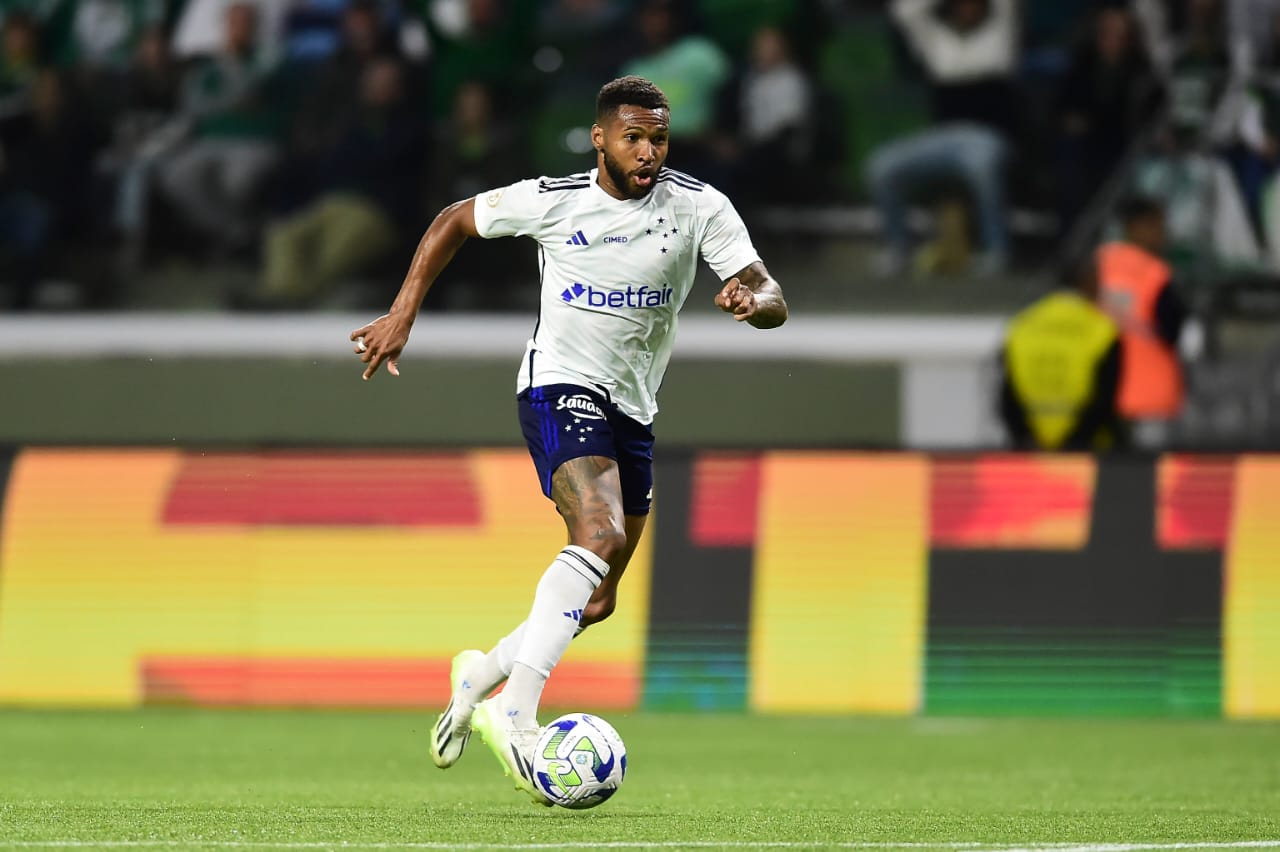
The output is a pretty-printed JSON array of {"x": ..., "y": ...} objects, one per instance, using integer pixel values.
[{"x": 610, "y": 189}]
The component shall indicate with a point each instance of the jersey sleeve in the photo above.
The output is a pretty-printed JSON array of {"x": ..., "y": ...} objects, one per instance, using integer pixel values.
[
  {"x": 510, "y": 211},
  {"x": 726, "y": 245}
]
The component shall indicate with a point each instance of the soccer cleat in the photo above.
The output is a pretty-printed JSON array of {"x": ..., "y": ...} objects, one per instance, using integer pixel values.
[
  {"x": 449, "y": 736},
  {"x": 512, "y": 746}
]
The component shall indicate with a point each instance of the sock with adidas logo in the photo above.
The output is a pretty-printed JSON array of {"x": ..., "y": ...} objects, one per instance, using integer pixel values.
[
  {"x": 563, "y": 591},
  {"x": 491, "y": 672}
]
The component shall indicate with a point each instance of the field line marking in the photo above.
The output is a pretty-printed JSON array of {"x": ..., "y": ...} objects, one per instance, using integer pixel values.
[
  {"x": 1129, "y": 847},
  {"x": 667, "y": 844}
]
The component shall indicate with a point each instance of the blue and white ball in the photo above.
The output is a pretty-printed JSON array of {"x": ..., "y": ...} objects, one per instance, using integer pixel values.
[{"x": 579, "y": 761}]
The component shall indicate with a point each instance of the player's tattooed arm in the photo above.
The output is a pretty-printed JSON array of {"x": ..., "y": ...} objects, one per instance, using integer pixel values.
[{"x": 752, "y": 295}]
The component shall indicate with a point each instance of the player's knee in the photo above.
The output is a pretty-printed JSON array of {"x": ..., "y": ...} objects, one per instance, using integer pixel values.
[{"x": 609, "y": 544}]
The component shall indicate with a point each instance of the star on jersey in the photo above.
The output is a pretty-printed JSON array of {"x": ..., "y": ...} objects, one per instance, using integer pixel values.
[{"x": 666, "y": 233}]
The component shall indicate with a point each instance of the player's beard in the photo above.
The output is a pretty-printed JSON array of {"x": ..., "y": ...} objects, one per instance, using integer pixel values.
[{"x": 622, "y": 180}]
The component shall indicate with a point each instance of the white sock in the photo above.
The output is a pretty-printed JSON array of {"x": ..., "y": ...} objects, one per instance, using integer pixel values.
[
  {"x": 563, "y": 591},
  {"x": 492, "y": 671},
  {"x": 488, "y": 674}
]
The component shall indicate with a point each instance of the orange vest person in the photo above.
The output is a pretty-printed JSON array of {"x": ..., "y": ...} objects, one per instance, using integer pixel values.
[{"x": 1137, "y": 291}]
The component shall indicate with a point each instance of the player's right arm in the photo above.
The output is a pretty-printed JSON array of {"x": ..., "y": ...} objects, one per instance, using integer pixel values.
[{"x": 384, "y": 338}]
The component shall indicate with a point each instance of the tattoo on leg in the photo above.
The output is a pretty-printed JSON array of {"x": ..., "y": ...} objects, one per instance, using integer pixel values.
[{"x": 587, "y": 493}]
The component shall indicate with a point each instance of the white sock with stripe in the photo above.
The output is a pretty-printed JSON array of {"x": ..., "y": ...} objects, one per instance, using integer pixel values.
[
  {"x": 563, "y": 591},
  {"x": 490, "y": 673}
]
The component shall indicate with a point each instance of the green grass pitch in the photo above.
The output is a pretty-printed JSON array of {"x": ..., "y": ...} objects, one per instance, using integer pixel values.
[{"x": 176, "y": 778}]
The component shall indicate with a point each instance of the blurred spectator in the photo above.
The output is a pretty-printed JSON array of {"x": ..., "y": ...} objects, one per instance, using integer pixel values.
[
  {"x": 1137, "y": 291},
  {"x": 1252, "y": 46},
  {"x": 484, "y": 40},
  {"x": 690, "y": 68},
  {"x": 313, "y": 29},
  {"x": 1207, "y": 214},
  {"x": 334, "y": 87},
  {"x": 149, "y": 87},
  {"x": 373, "y": 175},
  {"x": 1202, "y": 65},
  {"x": 1151, "y": 20},
  {"x": 214, "y": 177},
  {"x": 769, "y": 125},
  {"x": 46, "y": 159},
  {"x": 968, "y": 50},
  {"x": 1108, "y": 96},
  {"x": 104, "y": 33},
  {"x": 474, "y": 150},
  {"x": 203, "y": 27},
  {"x": 19, "y": 61},
  {"x": 1061, "y": 366},
  {"x": 1207, "y": 221},
  {"x": 142, "y": 130},
  {"x": 325, "y": 89},
  {"x": 411, "y": 34},
  {"x": 1255, "y": 148}
]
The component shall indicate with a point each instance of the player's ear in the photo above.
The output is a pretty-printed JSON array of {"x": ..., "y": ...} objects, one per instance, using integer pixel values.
[{"x": 597, "y": 137}]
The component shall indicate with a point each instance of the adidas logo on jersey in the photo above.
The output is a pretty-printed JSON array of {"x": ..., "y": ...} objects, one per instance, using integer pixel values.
[
  {"x": 643, "y": 296},
  {"x": 578, "y": 239}
]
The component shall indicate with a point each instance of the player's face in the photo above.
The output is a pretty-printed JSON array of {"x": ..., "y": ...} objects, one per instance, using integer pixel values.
[{"x": 633, "y": 146}]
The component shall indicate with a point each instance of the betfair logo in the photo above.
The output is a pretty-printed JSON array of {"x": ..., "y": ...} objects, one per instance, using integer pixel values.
[{"x": 643, "y": 296}]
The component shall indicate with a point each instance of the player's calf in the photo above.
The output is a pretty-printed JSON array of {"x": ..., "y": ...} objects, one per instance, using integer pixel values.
[{"x": 598, "y": 608}]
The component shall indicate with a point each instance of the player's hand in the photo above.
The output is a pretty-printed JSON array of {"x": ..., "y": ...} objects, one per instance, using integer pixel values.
[
  {"x": 379, "y": 341},
  {"x": 737, "y": 299}
]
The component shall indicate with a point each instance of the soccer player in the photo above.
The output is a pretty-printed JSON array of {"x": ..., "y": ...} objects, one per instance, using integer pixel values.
[{"x": 618, "y": 248}]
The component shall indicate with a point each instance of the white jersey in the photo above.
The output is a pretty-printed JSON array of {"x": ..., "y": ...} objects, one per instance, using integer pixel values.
[{"x": 615, "y": 273}]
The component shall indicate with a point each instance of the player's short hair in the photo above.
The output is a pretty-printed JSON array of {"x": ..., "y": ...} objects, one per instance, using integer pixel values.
[{"x": 632, "y": 90}]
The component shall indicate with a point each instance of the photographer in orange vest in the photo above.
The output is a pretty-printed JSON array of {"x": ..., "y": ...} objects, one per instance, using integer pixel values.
[{"x": 1136, "y": 289}]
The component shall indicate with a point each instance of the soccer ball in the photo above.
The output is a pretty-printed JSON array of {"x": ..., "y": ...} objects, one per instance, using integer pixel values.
[{"x": 579, "y": 761}]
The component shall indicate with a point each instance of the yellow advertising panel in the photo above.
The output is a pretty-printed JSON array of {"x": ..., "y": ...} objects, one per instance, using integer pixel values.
[
  {"x": 1251, "y": 616},
  {"x": 838, "y": 612},
  {"x": 281, "y": 578}
]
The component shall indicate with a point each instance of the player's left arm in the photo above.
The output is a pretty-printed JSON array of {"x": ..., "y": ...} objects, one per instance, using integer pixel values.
[{"x": 752, "y": 295}]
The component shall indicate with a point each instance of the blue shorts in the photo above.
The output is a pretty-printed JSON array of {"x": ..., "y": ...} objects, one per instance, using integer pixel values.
[{"x": 563, "y": 422}]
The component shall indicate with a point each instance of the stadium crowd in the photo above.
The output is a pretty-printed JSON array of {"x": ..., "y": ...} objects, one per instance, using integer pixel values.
[{"x": 312, "y": 140}]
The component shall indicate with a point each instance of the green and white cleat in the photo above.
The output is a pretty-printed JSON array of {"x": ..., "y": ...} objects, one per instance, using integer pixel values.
[
  {"x": 511, "y": 745},
  {"x": 449, "y": 736}
]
